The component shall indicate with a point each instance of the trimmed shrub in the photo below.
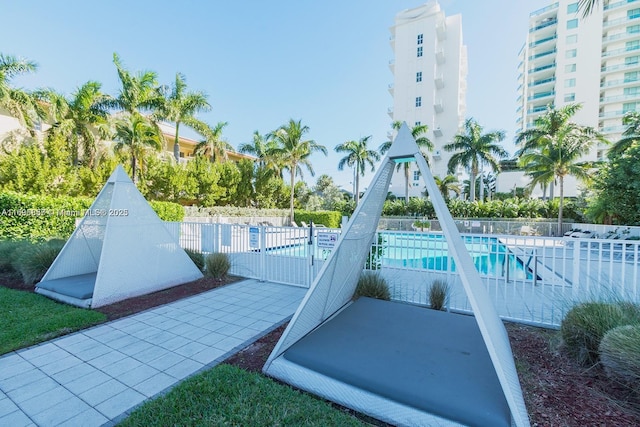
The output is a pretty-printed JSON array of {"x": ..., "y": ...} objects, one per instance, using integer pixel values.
[
  {"x": 217, "y": 265},
  {"x": 196, "y": 257},
  {"x": 372, "y": 285},
  {"x": 168, "y": 211},
  {"x": 619, "y": 350},
  {"x": 330, "y": 219},
  {"x": 33, "y": 260},
  {"x": 439, "y": 295},
  {"x": 585, "y": 324}
]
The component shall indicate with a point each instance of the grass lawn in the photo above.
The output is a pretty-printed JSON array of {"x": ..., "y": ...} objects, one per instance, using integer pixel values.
[
  {"x": 29, "y": 318},
  {"x": 230, "y": 396}
]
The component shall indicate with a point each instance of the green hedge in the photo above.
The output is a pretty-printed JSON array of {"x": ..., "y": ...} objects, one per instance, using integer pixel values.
[
  {"x": 33, "y": 217},
  {"x": 329, "y": 218},
  {"x": 234, "y": 211}
]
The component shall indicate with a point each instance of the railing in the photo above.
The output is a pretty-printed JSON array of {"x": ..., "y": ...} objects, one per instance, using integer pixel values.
[
  {"x": 544, "y": 9},
  {"x": 618, "y": 4},
  {"x": 542, "y": 68},
  {"x": 618, "y": 21},
  {"x": 543, "y": 25}
]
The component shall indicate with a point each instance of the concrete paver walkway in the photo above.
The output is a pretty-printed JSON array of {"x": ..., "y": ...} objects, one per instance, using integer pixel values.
[{"x": 96, "y": 376}]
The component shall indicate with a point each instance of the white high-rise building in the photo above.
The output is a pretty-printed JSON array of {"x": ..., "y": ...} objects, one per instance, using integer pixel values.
[
  {"x": 594, "y": 61},
  {"x": 429, "y": 88}
]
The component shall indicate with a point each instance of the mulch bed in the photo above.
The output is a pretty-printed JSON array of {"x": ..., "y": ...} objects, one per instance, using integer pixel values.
[{"x": 557, "y": 392}]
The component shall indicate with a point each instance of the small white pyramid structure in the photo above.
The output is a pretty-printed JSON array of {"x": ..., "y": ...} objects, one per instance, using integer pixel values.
[
  {"x": 120, "y": 249},
  {"x": 333, "y": 288}
]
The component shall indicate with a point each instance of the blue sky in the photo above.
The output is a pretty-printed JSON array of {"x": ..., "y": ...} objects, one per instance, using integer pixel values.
[{"x": 263, "y": 62}]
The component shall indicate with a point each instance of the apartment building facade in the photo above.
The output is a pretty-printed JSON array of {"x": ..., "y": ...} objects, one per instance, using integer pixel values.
[
  {"x": 594, "y": 61},
  {"x": 429, "y": 83}
]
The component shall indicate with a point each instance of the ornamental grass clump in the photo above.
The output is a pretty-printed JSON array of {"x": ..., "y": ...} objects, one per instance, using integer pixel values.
[
  {"x": 196, "y": 257},
  {"x": 9, "y": 249},
  {"x": 217, "y": 265},
  {"x": 585, "y": 324},
  {"x": 439, "y": 295},
  {"x": 33, "y": 260},
  {"x": 619, "y": 350},
  {"x": 372, "y": 285}
]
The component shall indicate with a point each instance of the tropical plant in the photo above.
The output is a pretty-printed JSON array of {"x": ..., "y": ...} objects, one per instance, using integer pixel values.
[
  {"x": 619, "y": 351},
  {"x": 19, "y": 103},
  {"x": 136, "y": 135},
  {"x": 81, "y": 120},
  {"x": 358, "y": 156},
  {"x": 262, "y": 146},
  {"x": 418, "y": 132},
  {"x": 33, "y": 261},
  {"x": 197, "y": 257},
  {"x": 447, "y": 185},
  {"x": 212, "y": 144},
  {"x": 630, "y": 136},
  {"x": 439, "y": 294},
  {"x": 554, "y": 148},
  {"x": 217, "y": 265},
  {"x": 473, "y": 149},
  {"x": 139, "y": 93},
  {"x": 372, "y": 285},
  {"x": 293, "y": 152},
  {"x": 587, "y": 6},
  {"x": 180, "y": 107}
]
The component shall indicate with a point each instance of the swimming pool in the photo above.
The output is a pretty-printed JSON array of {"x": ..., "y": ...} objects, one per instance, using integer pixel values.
[{"x": 427, "y": 251}]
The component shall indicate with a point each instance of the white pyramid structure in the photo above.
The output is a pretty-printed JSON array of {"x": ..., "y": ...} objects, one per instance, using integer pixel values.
[
  {"x": 120, "y": 249},
  {"x": 335, "y": 284}
]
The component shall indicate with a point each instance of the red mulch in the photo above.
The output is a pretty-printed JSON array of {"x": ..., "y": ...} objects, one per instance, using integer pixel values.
[{"x": 557, "y": 392}]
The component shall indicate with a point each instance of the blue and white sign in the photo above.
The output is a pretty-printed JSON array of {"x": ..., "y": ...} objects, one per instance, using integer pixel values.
[
  {"x": 254, "y": 237},
  {"x": 327, "y": 240}
]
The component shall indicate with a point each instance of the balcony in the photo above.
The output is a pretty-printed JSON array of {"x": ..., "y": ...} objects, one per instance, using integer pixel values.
[
  {"x": 618, "y": 98},
  {"x": 390, "y": 88},
  {"x": 390, "y": 112},
  {"x": 618, "y": 82},
  {"x": 619, "y": 37},
  {"x": 613, "y": 129},
  {"x": 392, "y": 64},
  {"x": 622, "y": 51},
  {"x": 542, "y": 82},
  {"x": 541, "y": 95},
  {"x": 440, "y": 58},
  {"x": 438, "y": 106},
  {"x": 544, "y": 10},
  {"x": 542, "y": 68},
  {"x": 619, "y": 4},
  {"x": 619, "y": 21},
  {"x": 437, "y": 132},
  {"x": 441, "y": 30},
  {"x": 612, "y": 114},
  {"x": 537, "y": 110},
  {"x": 542, "y": 54},
  {"x": 439, "y": 81},
  {"x": 542, "y": 41},
  {"x": 619, "y": 67},
  {"x": 544, "y": 24}
]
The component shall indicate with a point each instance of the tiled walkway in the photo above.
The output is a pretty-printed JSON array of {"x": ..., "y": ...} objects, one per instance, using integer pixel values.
[{"x": 96, "y": 376}]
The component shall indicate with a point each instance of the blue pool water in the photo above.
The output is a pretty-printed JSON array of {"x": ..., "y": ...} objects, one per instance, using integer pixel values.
[{"x": 430, "y": 252}]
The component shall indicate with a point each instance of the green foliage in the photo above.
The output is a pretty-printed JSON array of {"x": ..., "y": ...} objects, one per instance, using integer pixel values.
[
  {"x": 330, "y": 219},
  {"x": 168, "y": 211},
  {"x": 33, "y": 260},
  {"x": 217, "y": 265},
  {"x": 439, "y": 294},
  {"x": 374, "y": 259},
  {"x": 28, "y": 319},
  {"x": 585, "y": 324},
  {"x": 619, "y": 350},
  {"x": 9, "y": 249},
  {"x": 372, "y": 285},
  {"x": 227, "y": 395},
  {"x": 422, "y": 224},
  {"x": 196, "y": 257},
  {"x": 232, "y": 211}
]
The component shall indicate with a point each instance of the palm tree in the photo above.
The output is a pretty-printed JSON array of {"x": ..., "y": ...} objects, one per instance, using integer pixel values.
[
  {"x": 587, "y": 6},
  {"x": 474, "y": 149},
  {"x": 263, "y": 146},
  {"x": 553, "y": 148},
  {"x": 181, "y": 106},
  {"x": 135, "y": 134},
  {"x": 418, "y": 132},
  {"x": 294, "y": 152},
  {"x": 139, "y": 92},
  {"x": 358, "y": 156},
  {"x": 81, "y": 120},
  {"x": 19, "y": 103},
  {"x": 630, "y": 135},
  {"x": 447, "y": 185},
  {"x": 212, "y": 144}
]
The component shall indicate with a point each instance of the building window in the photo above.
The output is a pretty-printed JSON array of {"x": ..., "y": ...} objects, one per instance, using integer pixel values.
[
  {"x": 569, "y": 97},
  {"x": 633, "y": 29},
  {"x": 633, "y": 13},
  {"x": 572, "y": 39},
  {"x": 420, "y": 38},
  {"x": 572, "y": 23},
  {"x": 418, "y": 124},
  {"x": 416, "y": 175},
  {"x": 631, "y": 76},
  {"x": 632, "y": 45},
  {"x": 571, "y": 53},
  {"x": 631, "y": 60},
  {"x": 418, "y": 101},
  {"x": 572, "y": 8},
  {"x": 419, "y": 76},
  {"x": 627, "y": 107},
  {"x": 632, "y": 90},
  {"x": 419, "y": 51},
  {"x": 570, "y": 83},
  {"x": 570, "y": 68}
]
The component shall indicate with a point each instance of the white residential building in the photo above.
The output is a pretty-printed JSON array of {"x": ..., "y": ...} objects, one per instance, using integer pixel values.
[
  {"x": 594, "y": 61},
  {"x": 429, "y": 88}
]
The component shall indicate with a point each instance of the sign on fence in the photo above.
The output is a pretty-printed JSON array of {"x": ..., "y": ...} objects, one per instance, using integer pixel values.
[
  {"x": 254, "y": 237},
  {"x": 327, "y": 240}
]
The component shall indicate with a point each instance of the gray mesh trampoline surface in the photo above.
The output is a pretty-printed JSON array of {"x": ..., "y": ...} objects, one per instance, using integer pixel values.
[
  {"x": 79, "y": 287},
  {"x": 433, "y": 361}
]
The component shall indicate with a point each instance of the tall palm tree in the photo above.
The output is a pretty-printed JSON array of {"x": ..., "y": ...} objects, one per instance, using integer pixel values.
[
  {"x": 139, "y": 93},
  {"x": 294, "y": 152},
  {"x": 136, "y": 135},
  {"x": 474, "y": 149},
  {"x": 19, "y": 103},
  {"x": 181, "y": 106},
  {"x": 358, "y": 156},
  {"x": 447, "y": 185},
  {"x": 262, "y": 147},
  {"x": 81, "y": 120},
  {"x": 630, "y": 135},
  {"x": 587, "y": 6},
  {"x": 553, "y": 149},
  {"x": 418, "y": 132},
  {"x": 212, "y": 144}
]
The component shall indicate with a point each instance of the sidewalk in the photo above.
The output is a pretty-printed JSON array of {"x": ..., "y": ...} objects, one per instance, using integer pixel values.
[{"x": 96, "y": 376}]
